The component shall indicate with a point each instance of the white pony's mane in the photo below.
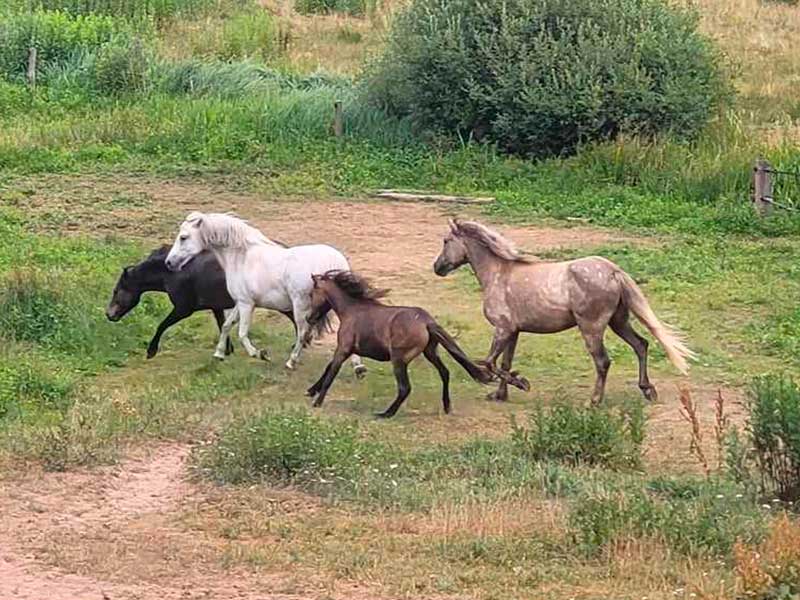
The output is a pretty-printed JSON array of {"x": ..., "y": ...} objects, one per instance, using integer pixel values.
[{"x": 227, "y": 230}]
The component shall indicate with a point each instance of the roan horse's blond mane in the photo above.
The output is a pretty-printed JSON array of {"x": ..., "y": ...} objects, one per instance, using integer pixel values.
[
  {"x": 499, "y": 245},
  {"x": 226, "y": 230}
]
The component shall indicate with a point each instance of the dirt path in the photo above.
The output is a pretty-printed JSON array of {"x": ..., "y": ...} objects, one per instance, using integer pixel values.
[{"x": 116, "y": 517}]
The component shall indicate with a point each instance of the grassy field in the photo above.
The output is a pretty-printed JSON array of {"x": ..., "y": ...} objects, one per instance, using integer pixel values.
[{"x": 227, "y": 105}]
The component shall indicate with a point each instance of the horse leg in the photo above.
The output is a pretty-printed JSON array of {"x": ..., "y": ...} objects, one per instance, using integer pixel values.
[
  {"x": 403, "y": 388},
  {"x": 245, "y": 318},
  {"x": 314, "y": 389},
  {"x": 330, "y": 374},
  {"x": 304, "y": 334},
  {"x": 593, "y": 338},
  {"x": 433, "y": 358},
  {"x": 219, "y": 316},
  {"x": 170, "y": 320},
  {"x": 501, "y": 394},
  {"x": 225, "y": 331},
  {"x": 623, "y": 328}
]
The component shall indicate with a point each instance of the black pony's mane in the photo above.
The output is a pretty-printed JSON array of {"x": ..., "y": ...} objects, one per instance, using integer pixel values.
[{"x": 354, "y": 285}]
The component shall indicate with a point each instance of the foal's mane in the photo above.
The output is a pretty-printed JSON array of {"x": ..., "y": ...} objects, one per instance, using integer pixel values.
[
  {"x": 499, "y": 246},
  {"x": 354, "y": 285},
  {"x": 227, "y": 230}
]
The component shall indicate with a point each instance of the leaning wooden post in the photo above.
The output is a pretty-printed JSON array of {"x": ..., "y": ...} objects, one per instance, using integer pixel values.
[
  {"x": 762, "y": 187},
  {"x": 31, "y": 75},
  {"x": 338, "y": 119}
]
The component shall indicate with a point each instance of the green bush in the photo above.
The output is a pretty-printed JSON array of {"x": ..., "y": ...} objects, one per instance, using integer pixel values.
[
  {"x": 540, "y": 77},
  {"x": 774, "y": 428},
  {"x": 285, "y": 447},
  {"x": 57, "y": 37},
  {"x": 588, "y": 436}
]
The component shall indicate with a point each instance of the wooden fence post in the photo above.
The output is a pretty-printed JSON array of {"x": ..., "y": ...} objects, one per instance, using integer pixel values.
[
  {"x": 338, "y": 119},
  {"x": 762, "y": 187},
  {"x": 31, "y": 75}
]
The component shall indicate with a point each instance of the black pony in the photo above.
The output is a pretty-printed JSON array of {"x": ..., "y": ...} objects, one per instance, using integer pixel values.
[{"x": 199, "y": 286}]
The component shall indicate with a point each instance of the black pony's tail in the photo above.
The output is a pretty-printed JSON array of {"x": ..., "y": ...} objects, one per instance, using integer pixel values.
[{"x": 479, "y": 373}]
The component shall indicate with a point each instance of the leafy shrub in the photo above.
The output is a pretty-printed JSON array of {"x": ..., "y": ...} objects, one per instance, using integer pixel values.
[
  {"x": 771, "y": 571},
  {"x": 583, "y": 436},
  {"x": 774, "y": 428},
  {"x": 540, "y": 77},
  {"x": 57, "y": 36},
  {"x": 285, "y": 447}
]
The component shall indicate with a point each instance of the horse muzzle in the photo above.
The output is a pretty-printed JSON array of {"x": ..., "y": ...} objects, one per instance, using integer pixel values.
[
  {"x": 441, "y": 268},
  {"x": 113, "y": 313}
]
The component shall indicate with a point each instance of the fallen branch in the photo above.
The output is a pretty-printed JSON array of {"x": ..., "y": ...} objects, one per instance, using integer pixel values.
[{"x": 424, "y": 197}]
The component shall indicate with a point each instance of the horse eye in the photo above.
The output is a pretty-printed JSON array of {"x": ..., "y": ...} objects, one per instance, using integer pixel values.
[{"x": 184, "y": 237}]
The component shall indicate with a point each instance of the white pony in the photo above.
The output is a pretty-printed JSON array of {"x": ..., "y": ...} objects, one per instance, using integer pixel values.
[{"x": 259, "y": 273}]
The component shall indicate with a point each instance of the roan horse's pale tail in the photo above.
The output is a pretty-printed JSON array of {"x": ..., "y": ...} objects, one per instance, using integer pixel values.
[{"x": 669, "y": 338}]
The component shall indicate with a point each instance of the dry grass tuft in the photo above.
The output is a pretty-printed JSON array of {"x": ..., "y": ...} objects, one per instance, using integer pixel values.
[{"x": 774, "y": 565}]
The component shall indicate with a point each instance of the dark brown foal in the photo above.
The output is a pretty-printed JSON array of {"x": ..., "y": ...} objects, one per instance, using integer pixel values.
[{"x": 386, "y": 333}]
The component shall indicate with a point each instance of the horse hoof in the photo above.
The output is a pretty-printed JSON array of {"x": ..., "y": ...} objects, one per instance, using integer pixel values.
[
  {"x": 289, "y": 365},
  {"x": 650, "y": 394},
  {"x": 525, "y": 384},
  {"x": 360, "y": 371},
  {"x": 151, "y": 354},
  {"x": 219, "y": 357},
  {"x": 384, "y": 415},
  {"x": 495, "y": 397},
  {"x": 311, "y": 392},
  {"x": 264, "y": 356}
]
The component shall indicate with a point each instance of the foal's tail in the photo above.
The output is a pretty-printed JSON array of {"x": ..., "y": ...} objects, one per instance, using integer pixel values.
[
  {"x": 478, "y": 373},
  {"x": 671, "y": 339}
]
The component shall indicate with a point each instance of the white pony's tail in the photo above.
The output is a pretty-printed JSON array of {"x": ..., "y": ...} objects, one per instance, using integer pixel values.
[{"x": 670, "y": 338}]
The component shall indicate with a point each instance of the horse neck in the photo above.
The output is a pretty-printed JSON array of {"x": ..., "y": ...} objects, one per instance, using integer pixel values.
[
  {"x": 340, "y": 302},
  {"x": 485, "y": 263},
  {"x": 150, "y": 276}
]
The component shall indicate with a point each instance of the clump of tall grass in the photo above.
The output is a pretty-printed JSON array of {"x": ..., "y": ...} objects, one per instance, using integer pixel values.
[
  {"x": 699, "y": 517},
  {"x": 30, "y": 390},
  {"x": 245, "y": 35},
  {"x": 583, "y": 436},
  {"x": 351, "y": 7}
]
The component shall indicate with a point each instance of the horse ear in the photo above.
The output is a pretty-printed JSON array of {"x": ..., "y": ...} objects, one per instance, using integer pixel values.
[
  {"x": 315, "y": 278},
  {"x": 453, "y": 225},
  {"x": 197, "y": 222}
]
